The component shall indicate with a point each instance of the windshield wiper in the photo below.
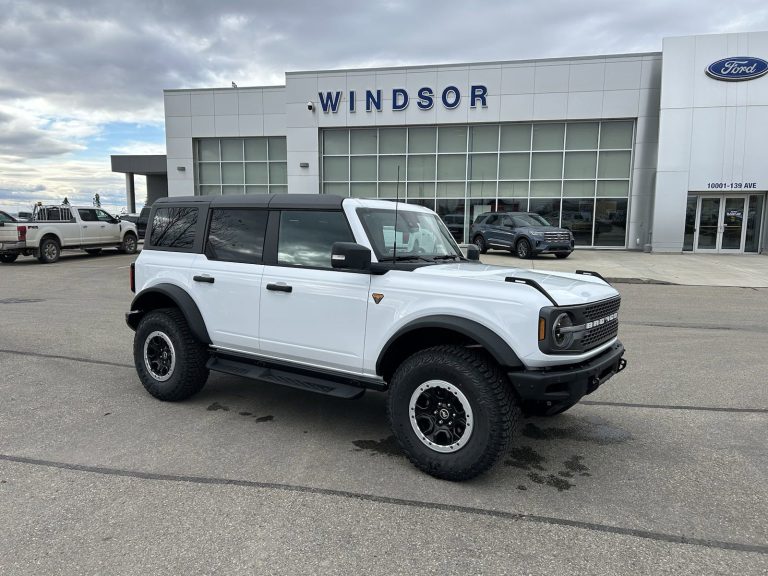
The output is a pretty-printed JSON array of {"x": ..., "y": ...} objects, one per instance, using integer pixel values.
[
  {"x": 446, "y": 257},
  {"x": 405, "y": 257}
]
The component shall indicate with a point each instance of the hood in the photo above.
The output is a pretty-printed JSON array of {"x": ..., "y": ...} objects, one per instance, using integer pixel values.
[{"x": 565, "y": 288}]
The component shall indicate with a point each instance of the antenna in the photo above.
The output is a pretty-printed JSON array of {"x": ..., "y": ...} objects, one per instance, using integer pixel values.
[{"x": 397, "y": 201}]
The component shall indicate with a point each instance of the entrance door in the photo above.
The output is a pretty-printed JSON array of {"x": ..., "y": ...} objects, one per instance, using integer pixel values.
[{"x": 720, "y": 224}]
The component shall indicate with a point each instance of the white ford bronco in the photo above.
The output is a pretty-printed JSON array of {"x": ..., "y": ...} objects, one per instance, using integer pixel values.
[{"x": 338, "y": 296}]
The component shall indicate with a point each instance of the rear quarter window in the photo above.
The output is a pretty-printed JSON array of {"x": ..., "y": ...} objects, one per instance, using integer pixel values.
[{"x": 174, "y": 227}]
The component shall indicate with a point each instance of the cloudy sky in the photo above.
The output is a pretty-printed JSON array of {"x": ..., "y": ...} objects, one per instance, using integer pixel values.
[{"x": 82, "y": 80}]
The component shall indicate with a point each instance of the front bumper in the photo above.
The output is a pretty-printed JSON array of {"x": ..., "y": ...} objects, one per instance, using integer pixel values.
[
  {"x": 565, "y": 385},
  {"x": 548, "y": 247}
]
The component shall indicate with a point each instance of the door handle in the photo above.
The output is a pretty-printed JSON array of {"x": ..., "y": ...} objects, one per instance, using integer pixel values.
[
  {"x": 85, "y": 226},
  {"x": 208, "y": 279},
  {"x": 280, "y": 287}
]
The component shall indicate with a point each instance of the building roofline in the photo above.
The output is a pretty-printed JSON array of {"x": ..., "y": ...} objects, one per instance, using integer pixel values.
[
  {"x": 636, "y": 55},
  {"x": 222, "y": 88}
]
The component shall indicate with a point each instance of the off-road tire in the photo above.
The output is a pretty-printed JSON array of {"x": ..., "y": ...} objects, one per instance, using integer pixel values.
[
  {"x": 495, "y": 411},
  {"x": 562, "y": 255},
  {"x": 189, "y": 374},
  {"x": 8, "y": 258},
  {"x": 523, "y": 249},
  {"x": 50, "y": 251},
  {"x": 129, "y": 245},
  {"x": 93, "y": 251},
  {"x": 479, "y": 241}
]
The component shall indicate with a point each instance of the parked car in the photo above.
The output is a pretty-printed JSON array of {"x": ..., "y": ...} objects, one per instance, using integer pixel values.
[
  {"x": 139, "y": 219},
  {"x": 342, "y": 295},
  {"x": 524, "y": 233},
  {"x": 56, "y": 228}
]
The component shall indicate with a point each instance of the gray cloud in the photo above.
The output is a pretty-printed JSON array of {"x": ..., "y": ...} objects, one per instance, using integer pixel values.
[{"x": 67, "y": 68}]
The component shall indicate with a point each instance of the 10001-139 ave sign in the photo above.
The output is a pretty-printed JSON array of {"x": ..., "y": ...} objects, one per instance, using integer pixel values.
[{"x": 737, "y": 68}]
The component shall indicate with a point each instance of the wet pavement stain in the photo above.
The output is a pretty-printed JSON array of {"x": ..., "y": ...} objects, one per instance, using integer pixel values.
[
  {"x": 267, "y": 418},
  {"x": 559, "y": 483},
  {"x": 536, "y": 477},
  {"x": 387, "y": 446},
  {"x": 245, "y": 413},
  {"x": 575, "y": 465},
  {"x": 596, "y": 432},
  {"x": 526, "y": 458},
  {"x": 522, "y": 487},
  {"x": 20, "y": 300},
  {"x": 216, "y": 406}
]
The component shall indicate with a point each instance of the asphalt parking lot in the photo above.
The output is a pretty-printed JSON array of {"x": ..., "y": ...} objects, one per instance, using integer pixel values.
[{"x": 664, "y": 470}]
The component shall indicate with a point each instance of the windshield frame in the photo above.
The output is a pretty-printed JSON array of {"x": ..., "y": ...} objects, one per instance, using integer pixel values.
[{"x": 445, "y": 235}]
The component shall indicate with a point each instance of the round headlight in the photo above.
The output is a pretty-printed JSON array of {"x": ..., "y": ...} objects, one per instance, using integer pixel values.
[{"x": 562, "y": 339}]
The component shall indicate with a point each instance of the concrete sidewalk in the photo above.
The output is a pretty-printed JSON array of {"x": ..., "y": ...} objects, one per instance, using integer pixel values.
[{"x": 742, "y": 270}]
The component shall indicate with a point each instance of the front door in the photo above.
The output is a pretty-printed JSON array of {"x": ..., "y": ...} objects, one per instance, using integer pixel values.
[
  {"x": 310, "y": 312},
  {"x": 720, "y": 224}
]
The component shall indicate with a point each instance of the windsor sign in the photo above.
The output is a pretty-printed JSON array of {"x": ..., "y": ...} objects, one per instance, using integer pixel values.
[
  {"x": 737, "y": 68},
  {"x": 425, "y": 99}
]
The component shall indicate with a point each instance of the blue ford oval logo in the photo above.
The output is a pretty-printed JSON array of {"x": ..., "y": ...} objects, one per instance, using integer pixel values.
[{"x": 737, "y": 68}]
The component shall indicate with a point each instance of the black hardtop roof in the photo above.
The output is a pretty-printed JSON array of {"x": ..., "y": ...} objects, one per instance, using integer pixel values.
[
  {"x": 508, "y": 213},
  {"x": 295, "y": 201}
]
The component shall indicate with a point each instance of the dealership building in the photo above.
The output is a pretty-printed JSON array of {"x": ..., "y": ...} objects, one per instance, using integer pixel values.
[{"x": 664, "y": 151}]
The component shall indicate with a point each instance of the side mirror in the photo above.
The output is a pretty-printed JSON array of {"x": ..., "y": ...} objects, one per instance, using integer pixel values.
[
  {"x": 350, "y": 256},
  {"x": 473, "y": 253}
]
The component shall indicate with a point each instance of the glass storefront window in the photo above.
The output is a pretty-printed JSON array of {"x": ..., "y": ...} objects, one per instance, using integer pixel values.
[
  {"x": 577, "y": 217},
  {"x": 484, "y": 138},
  {"x": 545, "y": 164},
  {"x": 335, "y": 142},
  {"x": 610, "y": 222},
  {"x": 690, "y": 223},
  {"x": 581, "y": 136},
  {"x": 616, "y": 135},
  {"x": 392, "y": 140},
  {"x": 242, "y": 165},
  {"x": 232, "y": 150},
  {"x": 362, "y": 141},
  {"x": 452, "y": 213},
  {"x": 451, "y": 167},
  {"x": 515, "y": 137},
  {"x": 548, "y": 209},
  {"x": 422, "y": 140},
  {"x": 514, "y": 166},
  {"x": 363, "y": 168},
  {"x": 754, "y": 219},
  {"x": 482, "y": 167},
  {"x": 516, "y": 205},
  {"x": 452, "y": 139},
  {"x": 548, "y": 136}
]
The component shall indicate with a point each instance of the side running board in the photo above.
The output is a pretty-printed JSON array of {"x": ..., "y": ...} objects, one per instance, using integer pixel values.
[{"x": 293, "y": 377}]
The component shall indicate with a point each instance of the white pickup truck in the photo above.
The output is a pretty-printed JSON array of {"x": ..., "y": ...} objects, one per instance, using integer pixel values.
[{"x": 56, "y": 228}]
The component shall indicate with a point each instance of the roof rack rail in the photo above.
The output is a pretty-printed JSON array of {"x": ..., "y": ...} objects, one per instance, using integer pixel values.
[{"x": 591, "y": 273}]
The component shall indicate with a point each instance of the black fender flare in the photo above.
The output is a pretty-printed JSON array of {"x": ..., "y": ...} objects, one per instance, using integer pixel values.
[
  {"x": 180, "y": 298},
  {"x": 484, "y": 336}
]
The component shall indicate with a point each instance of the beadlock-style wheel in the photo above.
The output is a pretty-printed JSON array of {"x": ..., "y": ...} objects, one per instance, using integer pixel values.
[
  {"x": 159, "y": 356},
  {"x": 441, "y": 416}
]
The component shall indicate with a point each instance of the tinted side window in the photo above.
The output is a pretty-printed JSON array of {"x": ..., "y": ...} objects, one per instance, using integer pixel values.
[
  {"x": 492, "y": 220},
  {"x": 103, "y": 216},
  {"x": 237, "y": 235},
  {"x": 174, "y": 227},
  {"x": 306, "y": 237},
  {"x": 87, "y": 214}
]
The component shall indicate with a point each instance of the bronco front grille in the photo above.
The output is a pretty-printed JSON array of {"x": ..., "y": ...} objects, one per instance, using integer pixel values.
[{"x": 605, "y": 322}]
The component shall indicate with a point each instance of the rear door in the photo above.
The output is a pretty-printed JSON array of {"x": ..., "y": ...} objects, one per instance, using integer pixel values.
[
  {"x": 311, "y": 313},
  {"x": 506, "y": 234},
  {"x": 226, "y": 281}
]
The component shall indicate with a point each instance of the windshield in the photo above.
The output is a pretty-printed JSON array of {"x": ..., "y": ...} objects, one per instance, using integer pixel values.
[
  {"x": 530, "y": 220},
  {"x": 418, "y": 234}
]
